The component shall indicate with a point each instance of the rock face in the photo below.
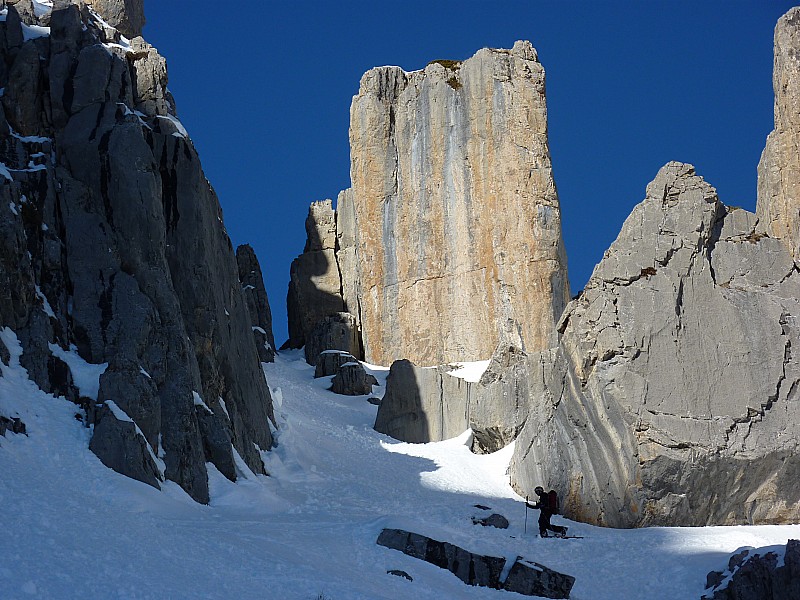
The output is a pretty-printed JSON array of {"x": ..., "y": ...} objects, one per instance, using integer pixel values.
[
  {"x": 255, "y": 294},
  {"x": 672, "y": 398},
  {"x": 428, "y": 404},
  {"x": 316, "y": 309},
  {"x": 352, "y": 380},
  {"x": 459, "y": 229},
  {"x": 127, "y": 16},
  {"x": 449, "y": 241},
  {"x": 524, "y": 577},
  {"x": 112, "y": 242},
  {"x": 758, "y": 575},
  {"x": 779, "y": 169}
]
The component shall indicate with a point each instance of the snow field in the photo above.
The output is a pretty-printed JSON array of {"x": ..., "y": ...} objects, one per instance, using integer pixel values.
[{"x": 75, "y": 529}]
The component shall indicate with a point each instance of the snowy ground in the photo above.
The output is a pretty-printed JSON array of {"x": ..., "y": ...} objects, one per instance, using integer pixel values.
[{"x": 74, "y": 529}]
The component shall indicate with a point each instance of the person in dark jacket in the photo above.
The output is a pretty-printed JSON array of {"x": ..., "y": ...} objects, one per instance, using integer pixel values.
[{"x": 547, "y": 508}]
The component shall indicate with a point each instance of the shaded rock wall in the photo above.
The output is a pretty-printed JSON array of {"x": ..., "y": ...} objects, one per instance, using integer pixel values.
[
  {"x": 255, "y": 294},
  {"x": 113, "y": 243},
  {"x": 779, "y": 169}
]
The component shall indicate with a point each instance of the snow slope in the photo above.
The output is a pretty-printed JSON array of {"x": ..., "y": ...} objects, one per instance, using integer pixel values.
[{"x": 74, "y": 529}]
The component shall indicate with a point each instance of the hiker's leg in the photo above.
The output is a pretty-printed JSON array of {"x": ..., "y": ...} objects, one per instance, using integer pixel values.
[{"x": 544, "y": 523}]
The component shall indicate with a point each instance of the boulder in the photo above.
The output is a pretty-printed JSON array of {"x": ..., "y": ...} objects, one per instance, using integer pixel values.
[
  {"x": 329, "y": 362},
  {"x": 525, "y": 577},
  {"x": 337, "y": 331},
  {"x": 120, "y": 445},
  {"x": 13, "y": 424},
  {"x": 352, "y": 380},
  {"x": 493, "y": 520},
  {"x": 429, "y": 404},
  {"x": 532, "y": 579}
]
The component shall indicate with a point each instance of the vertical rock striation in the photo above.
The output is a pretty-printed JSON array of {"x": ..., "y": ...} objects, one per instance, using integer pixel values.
[
  {"x": 449, "y": 240},
  {"x": 459, "y": 229},
  {"x": 779, "y": 169},
  {"x": 672, "y": 398},
  {"x": 113, "y": 248}
]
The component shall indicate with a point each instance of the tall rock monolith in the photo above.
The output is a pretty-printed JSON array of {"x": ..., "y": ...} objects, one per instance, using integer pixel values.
[
  {"x": 449, "y": 240},
  {"x": 778, "y": 205},
  {"x": 459, "y": 228}
]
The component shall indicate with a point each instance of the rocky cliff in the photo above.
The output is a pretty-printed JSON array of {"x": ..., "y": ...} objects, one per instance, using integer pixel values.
[
  {"x": 449, "y": 240},
  {"x": 672, "y": 397},
  {"x": 113, "y": 256},
  {"x": 779, "y": 169}
]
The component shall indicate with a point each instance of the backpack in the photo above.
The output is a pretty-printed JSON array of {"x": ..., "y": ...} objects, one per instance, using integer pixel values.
[{"x": 552, "y": 501}]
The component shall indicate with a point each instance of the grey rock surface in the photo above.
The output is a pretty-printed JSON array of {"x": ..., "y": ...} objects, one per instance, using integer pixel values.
[
  {"x": 778, "y": 206},
  {"x": 413, "y": 407},
  {"x": 120, "y": 445},
  {"x": 315, "y": 285},
  {"x": 494, "y": 520},
  {"x": 113, "y": 243},
  {"x": 125, "y": 15},
  {"x": 532, "y": 579},
  {"x": 337, "y": 331},
  {"x": 755, "y": 574},
  {"x": 329, "y": 361},
  {"x": 352, "y": 380},
  {"x": 428, "y": 404},
  {"x": 524, "y": 577},
  {"x": 255, "y": 295},
  {"x": 672, "y": 398}
]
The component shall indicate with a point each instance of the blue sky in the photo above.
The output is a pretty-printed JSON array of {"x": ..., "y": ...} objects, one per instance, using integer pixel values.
[{"x": 265, "y": 88}]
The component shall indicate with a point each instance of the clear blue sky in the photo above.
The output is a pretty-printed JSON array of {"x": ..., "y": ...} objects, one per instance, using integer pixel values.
[{"x": 264, "y": 89}]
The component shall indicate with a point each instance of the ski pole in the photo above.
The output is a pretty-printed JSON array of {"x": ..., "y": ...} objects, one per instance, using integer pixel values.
[{"x": 526, "y": 514}]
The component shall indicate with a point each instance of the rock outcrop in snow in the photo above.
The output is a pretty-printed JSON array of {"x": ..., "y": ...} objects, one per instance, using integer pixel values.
[
  {"x": 449, "y": 241},
  {"x": 756, "y": 574},
  {"x": 779, "y": 169},
  {"x": 523, "y": 577},
  {"x": 113, "y": 251},
  {"x": 430, "y": 404}
]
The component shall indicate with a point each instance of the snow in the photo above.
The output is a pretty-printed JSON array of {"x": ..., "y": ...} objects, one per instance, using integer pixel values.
[
  {"x": 13, "y": 208},
  {"x": 198, "y": 401},
  {"x": 31, "y": 32},
  {"x": 42, "y": 7},
  {"x": 310, "y": 527},
  {"x": 181, "y": 129},
  {"x": 469, "y": 371},
  {"x": 85, "y": 375},
  {"x": 4, "y": 171},
  {"x": 48, "y": 310}
]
